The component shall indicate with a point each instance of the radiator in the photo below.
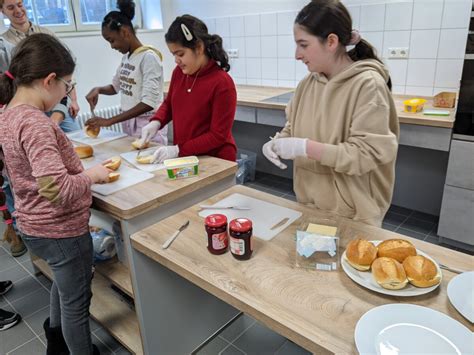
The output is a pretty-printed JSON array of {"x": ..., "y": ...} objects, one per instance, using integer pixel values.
[{"x": 104, "y": 113}]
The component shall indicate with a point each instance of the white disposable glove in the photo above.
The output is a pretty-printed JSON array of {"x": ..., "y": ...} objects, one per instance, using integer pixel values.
[
  {"x": 148, "y": 132},
  {"x": 165, "y": 152},
  {"x": 290, "y": 148},
  {"x": 270, "y": 154}
]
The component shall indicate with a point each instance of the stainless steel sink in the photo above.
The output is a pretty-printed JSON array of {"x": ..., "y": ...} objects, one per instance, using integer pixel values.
[{"x": 280, "y": 99}]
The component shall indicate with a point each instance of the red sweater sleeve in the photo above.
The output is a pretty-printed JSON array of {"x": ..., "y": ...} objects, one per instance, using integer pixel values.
[{"x": 222, "y": 119}]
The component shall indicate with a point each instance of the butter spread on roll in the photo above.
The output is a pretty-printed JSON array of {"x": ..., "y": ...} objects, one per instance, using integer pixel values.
[
  {"x": 84, "y": 151},
  {"x": 360, "y": 254},
  {"x": 398, "y": 249},
  {"x": 421, "y": 271},
  {"x": 389, "y": 273}
]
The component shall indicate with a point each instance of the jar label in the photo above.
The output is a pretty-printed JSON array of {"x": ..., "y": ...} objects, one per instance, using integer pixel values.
[
  {"x": 219, "y": 241},
  {"x": 237, "y": 246}
]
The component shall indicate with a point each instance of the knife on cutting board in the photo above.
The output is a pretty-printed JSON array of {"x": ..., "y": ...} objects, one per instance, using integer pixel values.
[{"x": 279, "y": 224}]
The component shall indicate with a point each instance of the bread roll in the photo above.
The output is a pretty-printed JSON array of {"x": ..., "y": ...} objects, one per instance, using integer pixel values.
[
  {"x": 421, "y": 271},
  {"x": 360, "y": 254},
  {"x": 389, "y": 273},
  {"x": 84, "y": 151},
  {"x": 114, "y": 164},
  {"x": 92, "y": 132},
  {"x": 113, "y": 177},
  {"x": 398, "y": 249},
  {"x": 136, "y": 144},
  {"x": 148, "y": 159}
]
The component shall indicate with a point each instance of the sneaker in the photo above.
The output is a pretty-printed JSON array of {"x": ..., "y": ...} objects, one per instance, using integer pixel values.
[
  {"x": 18, "y": 249},
  {"x": 8, "y": 319},
  {"x": 5, "y": 286}
]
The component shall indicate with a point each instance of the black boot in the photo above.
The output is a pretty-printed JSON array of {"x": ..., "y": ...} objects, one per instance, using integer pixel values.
[
  {"x": 95, "y": 350},
  {"x": 56, "y": 343}
]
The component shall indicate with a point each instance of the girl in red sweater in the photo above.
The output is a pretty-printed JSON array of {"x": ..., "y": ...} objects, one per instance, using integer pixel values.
[{"x": 202, "y": 97}]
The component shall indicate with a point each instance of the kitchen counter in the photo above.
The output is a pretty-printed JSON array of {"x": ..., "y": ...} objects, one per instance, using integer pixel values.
[
  {"x": 255, "y": 96},
  {"x": 317, "y": 310}
]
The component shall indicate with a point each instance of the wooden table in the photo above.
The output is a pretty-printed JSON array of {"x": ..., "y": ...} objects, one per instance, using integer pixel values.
[
  {"x": 133, "y": 209},
  {"x": 317, "y": 310}
]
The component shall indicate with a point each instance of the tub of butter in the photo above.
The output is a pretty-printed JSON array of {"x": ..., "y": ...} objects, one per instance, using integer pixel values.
[{"x": 182, "y": 167}]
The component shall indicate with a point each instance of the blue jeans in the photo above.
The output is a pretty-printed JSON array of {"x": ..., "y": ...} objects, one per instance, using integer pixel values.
[
  {"x": 10, "y": 201},
  {"x": 69, "y": 124},
  {"x": 70, "y": 260}
]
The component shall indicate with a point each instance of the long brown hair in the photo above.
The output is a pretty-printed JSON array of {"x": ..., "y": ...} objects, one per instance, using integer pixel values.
[
  {"x": 34, "y": 58},
  {"x": 323, "y": 17}
]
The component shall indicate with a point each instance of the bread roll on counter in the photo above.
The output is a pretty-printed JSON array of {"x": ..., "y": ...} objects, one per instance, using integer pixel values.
[
  {"x": 360, "y": 254},
  {"x": 84, "y": 151},
  {"x": 398, "y": 249},
  {"x": 421, "y": 271},
  {"x": 389, "y": 273}
]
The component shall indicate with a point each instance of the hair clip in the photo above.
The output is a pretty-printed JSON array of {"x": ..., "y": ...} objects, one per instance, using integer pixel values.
[{"x": 186, "y": 32}]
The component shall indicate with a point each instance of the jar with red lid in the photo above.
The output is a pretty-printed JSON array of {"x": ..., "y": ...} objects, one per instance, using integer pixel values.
[
  {"x": 217, "y": 237},
  {"x": 240, "y": 232}
]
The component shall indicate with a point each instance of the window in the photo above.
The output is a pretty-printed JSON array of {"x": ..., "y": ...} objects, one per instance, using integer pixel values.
[{"x": 78, "y": 15}]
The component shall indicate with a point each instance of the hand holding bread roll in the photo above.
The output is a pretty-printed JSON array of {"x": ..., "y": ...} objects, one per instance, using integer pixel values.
[
  {"x": 99, "y": 174},
  {"x": 421, "y": 271},
  {"x": 360, "y": 254},
  {"x": 389, "y": 273},
  {"x": 398, "y": 249},
  {"x": 92, "y": 131},
  {"x": 113, "y": 163}
]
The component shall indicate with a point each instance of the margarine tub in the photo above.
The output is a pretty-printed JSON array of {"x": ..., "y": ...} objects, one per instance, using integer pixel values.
[
  {"x": 182, "y": 167},
  {"x": 414, "y": 105}
]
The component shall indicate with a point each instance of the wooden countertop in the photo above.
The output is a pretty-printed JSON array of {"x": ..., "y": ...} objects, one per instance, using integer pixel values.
[
  {"x": 253, "y": 96},
  {"x": 150, "y": 194},
  {"x": 317, "y": 310}
]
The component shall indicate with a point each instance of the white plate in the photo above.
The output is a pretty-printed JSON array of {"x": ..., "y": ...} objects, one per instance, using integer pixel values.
[
  {"x": 364, "y": 278},
  {"x": 395, "y": 329},
  {"x": 461, "y": 294}
]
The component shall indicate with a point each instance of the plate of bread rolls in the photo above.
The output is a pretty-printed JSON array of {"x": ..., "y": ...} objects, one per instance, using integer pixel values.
[{"x": 392, "y": 267}]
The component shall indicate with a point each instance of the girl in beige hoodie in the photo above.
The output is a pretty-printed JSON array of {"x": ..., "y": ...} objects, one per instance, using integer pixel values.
[{"x": 342, "y": 127}]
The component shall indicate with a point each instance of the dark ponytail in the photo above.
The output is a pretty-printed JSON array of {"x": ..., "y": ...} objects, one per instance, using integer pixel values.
[
  {"x": 114, "y": 20},
  {"x": 323, "y": 17},
  {"x": 198, "y": 33},
  {"x": 34, "y": 58}
]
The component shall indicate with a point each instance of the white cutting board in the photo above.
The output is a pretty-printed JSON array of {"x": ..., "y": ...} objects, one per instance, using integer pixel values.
[
  {"x": 131, "y": 158},
  {"x": 105, "y": 135},
  {"x": 128, "y": 177},
  {"x": 263, "y": 215}
]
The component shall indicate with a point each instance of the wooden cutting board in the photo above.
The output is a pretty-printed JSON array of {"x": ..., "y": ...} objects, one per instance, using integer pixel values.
[{"x": 264, "y": 215}]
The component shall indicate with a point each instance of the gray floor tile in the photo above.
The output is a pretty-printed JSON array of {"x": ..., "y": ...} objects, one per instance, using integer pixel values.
[
  {"x": 23, "y": 288},
  {"x": 425, "y": 216},
  {"x": 28, "y": 266},
  {"x": 389, "y": 227},
  {"x": 234, "y": 330},
  {"x": 36, "y": 320},
  {"x": 107, "y": 339},
  {"x": 213, "y": 347},
  {"x": 34, "y": 347},
  {"x": 15, "y": 336},
  {"x": 2, "y": 251},
  {"x": 7, "y": 262},
  {"x": 258, "y": 339},
  {"x": 94, "y": 325},
  {"x": 14, "y": 273},
  {"x": 432, "y": 239},
  {"x": 23, "y": 258},
  {"x": 411, "y": 233},
  {"x": 418, "y": 225},
  {"x": 28, "y": 305},
  {"x": 290, "y": 348},
  {"x": 394, "y": 218},
  {"x": 44, "y": 281},
  {"x": 231, "y": 350},
  {"x": 103, "y": 349},
  {"x": 122, "y": 351},
  {"x": 290, "y": 197},
  {"x": 400, "y": 210},
  {"x": 3, "y": 302}
]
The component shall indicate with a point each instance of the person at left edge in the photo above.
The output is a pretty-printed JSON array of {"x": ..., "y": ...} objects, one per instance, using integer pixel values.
[
  {"x": 139, "y": 77},
  {"x": 202, "y": 98}
]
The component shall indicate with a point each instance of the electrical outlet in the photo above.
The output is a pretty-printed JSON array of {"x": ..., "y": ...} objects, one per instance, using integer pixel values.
[
  {"x": 233, "y": 53},
  {"x": 398, "y": 53}
]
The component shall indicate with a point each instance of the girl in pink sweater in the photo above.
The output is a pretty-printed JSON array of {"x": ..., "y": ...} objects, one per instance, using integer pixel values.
[{"x": 52, "y": 190}]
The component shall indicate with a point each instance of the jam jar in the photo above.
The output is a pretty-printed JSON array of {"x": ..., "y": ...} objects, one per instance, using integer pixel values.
[
  {"x": 217, "y": 238},
  {"x": 240, "y": 231}
]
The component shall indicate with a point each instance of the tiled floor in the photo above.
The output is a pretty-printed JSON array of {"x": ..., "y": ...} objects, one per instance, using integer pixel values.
[{"x": 30, "y": 294}]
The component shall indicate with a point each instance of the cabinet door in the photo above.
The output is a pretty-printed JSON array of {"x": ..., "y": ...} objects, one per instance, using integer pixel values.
[
  {"x": 457, "y": 215},
  {"x": 271, "y": 117},
  {"x": 245, "y": 114},
  {"x": 436, "y": 138},
  {"x": 461, "y": 165}
]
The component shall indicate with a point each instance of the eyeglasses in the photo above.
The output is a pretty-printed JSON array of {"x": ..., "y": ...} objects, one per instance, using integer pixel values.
[{"x": 69, "y": 85}]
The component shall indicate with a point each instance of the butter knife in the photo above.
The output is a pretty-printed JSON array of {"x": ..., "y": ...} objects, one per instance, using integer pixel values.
[
  {"x": 452, "y": 269},
  {"x": 175, "y": 235},
  {"x": 224, "y": 207},
  {"x": 280, "y": 223}
]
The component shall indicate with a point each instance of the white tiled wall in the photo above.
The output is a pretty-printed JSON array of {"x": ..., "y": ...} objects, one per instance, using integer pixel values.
[{"x": 435, "y": 32}]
